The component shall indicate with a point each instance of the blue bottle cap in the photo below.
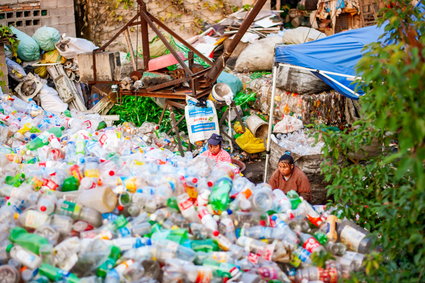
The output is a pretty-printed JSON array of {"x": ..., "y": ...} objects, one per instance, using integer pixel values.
[{"x": 229, "y": 211}]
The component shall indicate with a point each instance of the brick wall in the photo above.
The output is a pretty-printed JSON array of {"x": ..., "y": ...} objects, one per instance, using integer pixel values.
[{"x": 28, "y": 15}]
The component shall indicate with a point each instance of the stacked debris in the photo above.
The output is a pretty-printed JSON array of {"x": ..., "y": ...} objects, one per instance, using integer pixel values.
[{"x": 46, "y": 71}]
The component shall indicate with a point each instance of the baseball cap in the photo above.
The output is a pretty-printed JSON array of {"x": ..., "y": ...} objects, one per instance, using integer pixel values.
[{"x": 215, "y": 139}]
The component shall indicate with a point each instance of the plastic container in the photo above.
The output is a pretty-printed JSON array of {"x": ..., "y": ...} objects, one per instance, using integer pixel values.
[
  {"x": 219, "y": 91},
  {"x": 257, "y": 126},
  {"x": 102, "y": 199},
  {"x": 354, "y": 237}
]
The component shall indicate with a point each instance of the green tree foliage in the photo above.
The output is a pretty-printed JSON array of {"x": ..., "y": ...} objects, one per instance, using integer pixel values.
[{"x": 376, "y": 168}]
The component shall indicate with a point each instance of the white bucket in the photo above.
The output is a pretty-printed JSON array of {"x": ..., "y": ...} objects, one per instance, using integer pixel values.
[
  {"x": 103, "y": 199},
  {"x": 257, "y": 126},
  {"x": 219, "y": 91}
]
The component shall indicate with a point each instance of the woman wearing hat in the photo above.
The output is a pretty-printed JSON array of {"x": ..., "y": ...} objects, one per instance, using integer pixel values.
[
  {"x": 215, "y": 151},
  {"x": 289, "y": 177}
]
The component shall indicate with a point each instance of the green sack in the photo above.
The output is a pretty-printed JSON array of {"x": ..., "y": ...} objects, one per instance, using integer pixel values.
[{"x": 28, "y": 49}]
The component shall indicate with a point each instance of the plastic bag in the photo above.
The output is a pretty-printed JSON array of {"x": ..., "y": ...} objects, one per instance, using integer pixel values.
[
  {"x": 70, "y": 47},
  {"x": 202, "y": 122},
  {"x": 301, "y": 35},
  {"x": 249, "y": 143},
  {"x": 231, "y": 80},
  {"x": 50, "y": 100},
  {"x": 258, "y": 56},
  {"x": 49, "y": 57},
  {"x": 288, "y": 124},
  {"x": 15, "y": 70},
  {"x": 47, "y": 37},
  {"x": 28, "y": 49}
]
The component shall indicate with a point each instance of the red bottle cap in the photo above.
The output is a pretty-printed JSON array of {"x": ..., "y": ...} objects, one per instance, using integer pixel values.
[
  {"x": 43, "y": 208},
  {"x": 216, "y": 233}
]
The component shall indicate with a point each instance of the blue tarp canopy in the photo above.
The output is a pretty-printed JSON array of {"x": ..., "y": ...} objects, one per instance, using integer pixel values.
[{"x": 334, "y": 57}]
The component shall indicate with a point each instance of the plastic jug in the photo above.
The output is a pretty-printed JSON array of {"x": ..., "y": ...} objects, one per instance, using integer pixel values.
[{"x": 102, "y": 199}]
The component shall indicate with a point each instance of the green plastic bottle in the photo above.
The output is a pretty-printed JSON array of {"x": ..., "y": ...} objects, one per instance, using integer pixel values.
[
  {"x": 294, "y": 199},
  {"x": 109, "y": 263},
  {"x": 40, "y": 141},
  {"x": 219, "y": 197},
  {"x": 172, "y": 203},
  {"x": 207, "y": 245},
  {"x": 57, "y": 131},
  {"x": 101, "y": 125},
  {"x": 70, "y": 184},
  {"x": 56, "y": 274},
  {"x": 178, "y": 235},
  {"x": 16, "y": 180},
  {"x": 32, "y": 242}
]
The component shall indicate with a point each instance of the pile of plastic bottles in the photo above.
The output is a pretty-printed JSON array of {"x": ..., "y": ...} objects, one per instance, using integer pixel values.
[
  {"x": 82, "y": 202},
  {"x": 299, "y": 142}
]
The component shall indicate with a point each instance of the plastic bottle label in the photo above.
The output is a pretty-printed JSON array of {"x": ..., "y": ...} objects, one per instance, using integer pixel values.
[
  {"x": 351, "y": 238},
  {"x": 268, "y": 273},
  {"x": 185, "y": 204},
  {"x": 203, "y": 276},
  {"x": 35, "y": 219},
  {"x": 253, "y": 258},
  {"x": 311, "y": 244},
  {"x": 267, "y": 252},
  {"x": 328, "y": 275}
]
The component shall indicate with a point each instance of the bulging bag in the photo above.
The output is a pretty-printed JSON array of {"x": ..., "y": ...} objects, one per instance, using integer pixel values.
[
  {"x": 47, "y": 37},
  {"x": 28, "y": 49},
  {"x": 201, "y": 122}
]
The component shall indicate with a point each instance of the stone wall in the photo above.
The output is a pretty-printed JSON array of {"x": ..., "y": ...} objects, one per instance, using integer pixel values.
[{"x": 28, "y": 16}]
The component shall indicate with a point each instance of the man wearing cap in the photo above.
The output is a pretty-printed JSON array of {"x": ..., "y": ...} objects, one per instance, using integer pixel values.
[
  {"x": 215, "y": 151},
  {"x": 289, "y": 177}
]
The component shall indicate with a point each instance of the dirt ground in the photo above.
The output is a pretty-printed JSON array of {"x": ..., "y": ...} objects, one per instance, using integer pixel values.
[{"x": 255, "y": 171}]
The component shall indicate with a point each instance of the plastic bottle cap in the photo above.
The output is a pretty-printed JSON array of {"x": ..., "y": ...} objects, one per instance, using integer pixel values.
[
  {"x": 195, "y": 180},
  {"x": 111, "y": 173},
  {"x": 43, "y": 208},
  {"x": 229, "y": 211},
  {"x": 9, "y": 247},
  {"x": 120, "y": 207},
  {"x": 210, "y": 184},
  {"x": 274, "y": 217},
  {"x": 262, "y": 222},
  {"x": 216, "y": 233}
]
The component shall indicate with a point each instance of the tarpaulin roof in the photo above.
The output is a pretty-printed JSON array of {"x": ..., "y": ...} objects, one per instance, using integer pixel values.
[{"x": 338, "y": 53}]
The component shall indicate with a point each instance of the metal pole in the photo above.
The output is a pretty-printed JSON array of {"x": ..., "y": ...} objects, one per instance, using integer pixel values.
[
  {"x": 221, "y": 61},
  {"x": 269, "y": 133}
]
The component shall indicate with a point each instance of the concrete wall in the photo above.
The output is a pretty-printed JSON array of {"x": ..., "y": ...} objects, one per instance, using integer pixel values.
[{"x": 28, "y": 16}]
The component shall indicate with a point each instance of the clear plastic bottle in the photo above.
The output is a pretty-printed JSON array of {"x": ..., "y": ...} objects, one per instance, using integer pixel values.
[
  {"x": 187, "y": 208},
  {"x": 33, "y": 218},
  {"x": 91, "y": 216},
  {"x": 9, "y": 273},
  {"x": 251, "y": 244},
  {"x": 207, "y": 219},
  {"x": 354, "y": 237},
  {"x": 262, "y": 198},
  {"x": 24, "y": 256},
  {"x": 65, "y": 254},
  {"x": 46, "y": 203},
  {"x": 226, "y": 226},
  {"x": 310, "y": 243},
  {"x": 313, "y": 273}
]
